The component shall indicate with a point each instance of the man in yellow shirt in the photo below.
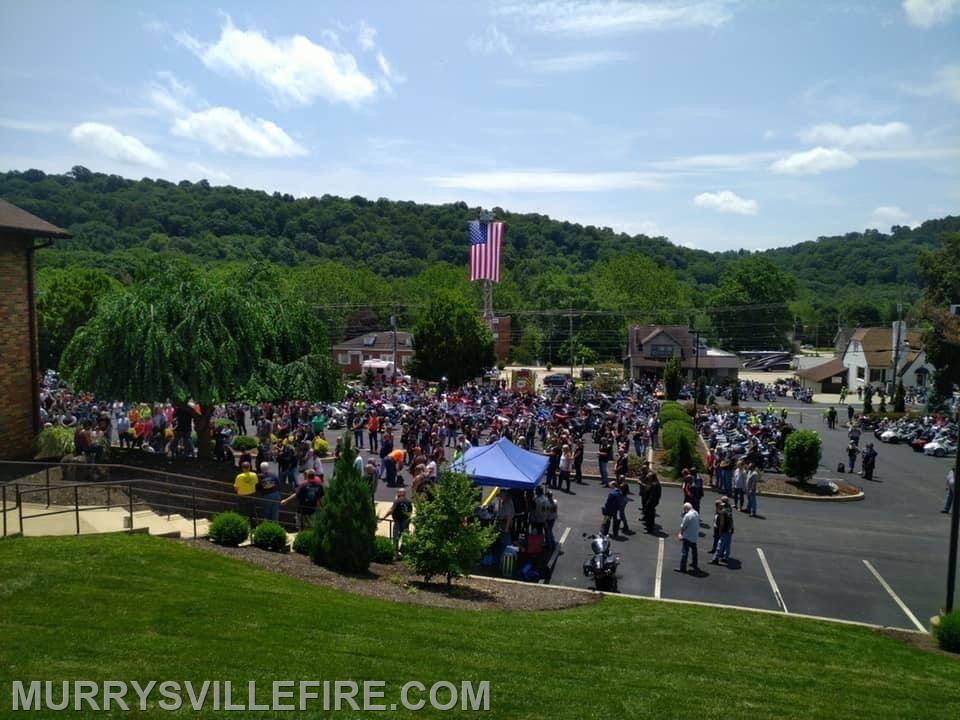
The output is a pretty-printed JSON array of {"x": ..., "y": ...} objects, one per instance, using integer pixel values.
[{"x": 246, "y": 486}]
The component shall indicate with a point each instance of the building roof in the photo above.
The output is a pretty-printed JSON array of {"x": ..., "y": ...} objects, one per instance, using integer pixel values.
[
  {"x": 709, "y": 358},
  {"x": 823, "y": 371},
  {"x": 380, "y": 341},
  {"x": 877, "y": 345},
  {"x": 18, "y": 221}
]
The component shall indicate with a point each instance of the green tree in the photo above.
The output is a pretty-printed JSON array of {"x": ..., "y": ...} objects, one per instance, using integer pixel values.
[
  {"x": 672, "y": 377},
  {"x": 66, "y": 299},
  {"x": 347, "y": 523},
  {"x": 185, "y": 334},
  {"x": 448, "y": 540},
  {"x": 750, "y": 308},
  {"x": 941, "y": 335},
  {"x": 450, "y": 340},
  {"x": 801, "y": 454},
  {"x": 867, "y": 399}
]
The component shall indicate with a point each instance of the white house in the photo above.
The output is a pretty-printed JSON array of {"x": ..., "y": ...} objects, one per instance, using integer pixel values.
[{"x": 871, "y": 353}]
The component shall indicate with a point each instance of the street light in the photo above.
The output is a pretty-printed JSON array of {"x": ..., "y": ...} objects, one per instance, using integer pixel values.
[{"x": 954, "y": 527}]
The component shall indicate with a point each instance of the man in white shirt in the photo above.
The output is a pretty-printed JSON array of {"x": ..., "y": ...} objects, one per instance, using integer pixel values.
[{"x": 688, "y": 535}]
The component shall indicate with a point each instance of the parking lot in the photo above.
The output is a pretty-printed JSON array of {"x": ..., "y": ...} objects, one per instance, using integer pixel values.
[{"x": 881, "y": 560}]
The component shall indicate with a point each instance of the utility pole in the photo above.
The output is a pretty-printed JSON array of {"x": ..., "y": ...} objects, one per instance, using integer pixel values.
[
  {"x": 570, "y": 316},
  {"x": 896, "y": 350},
  {"x": 954, "y": 527},
  {"x": 393, "y": 324},
  {"x": 696, "y": 372}
]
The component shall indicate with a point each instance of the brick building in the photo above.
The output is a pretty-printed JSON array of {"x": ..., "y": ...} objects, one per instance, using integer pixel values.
[
  {"x": 19, "y": 359},
  {"x": 652, "y": 345},
  {"x": 351, "y": 354}
]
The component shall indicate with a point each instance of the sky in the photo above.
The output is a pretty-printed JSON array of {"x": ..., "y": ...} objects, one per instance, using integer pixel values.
[{"x": 720, "y": 124}]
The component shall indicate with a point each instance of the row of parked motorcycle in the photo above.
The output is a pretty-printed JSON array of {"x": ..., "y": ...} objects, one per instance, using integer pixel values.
[{"x": 922, "y": 435}]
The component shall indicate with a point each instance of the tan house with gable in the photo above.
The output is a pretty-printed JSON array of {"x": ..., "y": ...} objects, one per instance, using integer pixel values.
[{"x": 650, "y": 346}]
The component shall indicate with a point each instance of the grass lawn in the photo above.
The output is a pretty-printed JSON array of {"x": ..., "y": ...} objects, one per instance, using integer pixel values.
[{"x": 143, "y": 608}]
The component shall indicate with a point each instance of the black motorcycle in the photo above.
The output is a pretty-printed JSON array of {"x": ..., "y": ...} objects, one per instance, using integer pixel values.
[{"x": 602, "y": 565}]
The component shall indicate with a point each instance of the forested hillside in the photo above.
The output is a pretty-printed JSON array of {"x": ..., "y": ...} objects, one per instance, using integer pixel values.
[{"x": 384, "y": 255}]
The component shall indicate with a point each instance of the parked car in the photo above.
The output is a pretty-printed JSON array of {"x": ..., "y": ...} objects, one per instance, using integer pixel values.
[{"x": 940, "y": 448}]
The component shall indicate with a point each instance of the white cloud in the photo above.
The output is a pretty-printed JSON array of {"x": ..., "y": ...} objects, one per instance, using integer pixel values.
[
  {"x": 367, "y": 37},
  {"x": 491, "y": 41},
  {"x": 887, "y": 215},
  {"x": 814, "y": 162},
  {"x": 726, "y": 201},
  {"x": 547, "y": 181},
  {"x": 576, "y": 61},
  {"x": 718, "y": 161},
  {"x": 208, "y": 173},
  {"x": 226, "y": 130},
  {"x": 293, "y": 69},
  {"x": 867, "y": 135},
  {"x": 32, "y": 126},
  {"x": 608, "y": 16},
  {"x": 115, "y": 145},
  {"x": 927, "y": 13},
  {"x": 946, "y": 83}
]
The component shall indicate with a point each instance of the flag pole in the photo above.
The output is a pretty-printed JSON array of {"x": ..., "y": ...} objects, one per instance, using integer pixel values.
[{"x": 486, "y": 216}]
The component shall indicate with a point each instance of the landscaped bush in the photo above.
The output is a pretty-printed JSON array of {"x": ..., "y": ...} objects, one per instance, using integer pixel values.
[
  {"x": 55, "y": 442},
  {"x": 226, "y": 422},
  {"x": 801, "y": 454},
  {"x": 948, "y": 632},
  {"x": 304, "y": 541},
  {"x": 383, "y": 553},
  {"x": 321, "y": 447},
  {"x": 229, "y": 529},
  {"x": 244, "y": 443},
  {"x": 684, "y": 454},
  {"x": 270, "y": 536}
]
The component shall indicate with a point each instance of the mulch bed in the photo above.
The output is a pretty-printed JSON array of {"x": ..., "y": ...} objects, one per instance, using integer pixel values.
[
  {"x": 783, "y": 484},
  {"x": 918, "y": 641},
  {"x": 396, "y": 583}
]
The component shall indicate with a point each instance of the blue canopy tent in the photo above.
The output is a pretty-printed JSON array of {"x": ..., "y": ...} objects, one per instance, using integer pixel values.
[{"x": 502, "y": 464}]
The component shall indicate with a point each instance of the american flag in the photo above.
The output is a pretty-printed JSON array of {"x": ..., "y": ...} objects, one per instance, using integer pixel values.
[{"x": 485, "y": 241}]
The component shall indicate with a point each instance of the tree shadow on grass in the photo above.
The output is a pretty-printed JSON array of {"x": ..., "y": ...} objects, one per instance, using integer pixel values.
[{"x": 458, "y": 591}]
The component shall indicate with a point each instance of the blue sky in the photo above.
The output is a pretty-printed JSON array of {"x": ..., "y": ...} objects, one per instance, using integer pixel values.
[{"x": 718, "y": 123}]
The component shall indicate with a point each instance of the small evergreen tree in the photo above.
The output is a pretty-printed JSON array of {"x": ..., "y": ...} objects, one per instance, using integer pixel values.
[
  {"x": 672, "y": 377},
  {"x": 701, "y": 391},
  {"x": 448, "y": 539},
  {"x": 801, "y": 454},
  {"x": 735, "y": 395},
  {"x": 867, "y": 400},
  {"x": 347, "y": 522}
]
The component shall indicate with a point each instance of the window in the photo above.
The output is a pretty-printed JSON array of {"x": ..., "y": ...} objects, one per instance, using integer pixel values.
[
  {"x": 386, "y": 356},
  {"x": 662, "y": 351},
  {"x": 877, "y": 374},
  {"x": 343, "y": 358},
  {"x": 860, "y": 373},
  {"x": 369, "y": 340}
]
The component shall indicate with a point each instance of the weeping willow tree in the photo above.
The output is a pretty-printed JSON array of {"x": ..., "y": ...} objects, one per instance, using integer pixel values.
[{"x": 183, "y": 333}]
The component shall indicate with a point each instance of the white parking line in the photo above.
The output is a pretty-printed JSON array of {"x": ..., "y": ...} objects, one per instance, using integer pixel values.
[
  {"x": 773, "y": 583},
  {"x": 896, "y": 599},
  {"x": 563, "y": 538},
  {"x": 656, "y": 583}
]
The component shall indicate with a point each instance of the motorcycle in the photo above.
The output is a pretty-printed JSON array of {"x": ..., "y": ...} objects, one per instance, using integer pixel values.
[{"x": 602, "y": 565}]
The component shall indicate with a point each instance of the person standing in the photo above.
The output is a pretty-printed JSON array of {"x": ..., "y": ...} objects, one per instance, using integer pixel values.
[
  {"x": 854, "y": 434},
  {"x": 852, "y": 452},
  {"x": 565, "y": 466},
  {"x": 268, "y": 493},
  {"x": 245, "y": 484},
  {"x": 538, "y": 514},
  {"x": 400, "y": 512},
  {"x": 611, "y": 511},
  {"x": 358, "y": 431},
  {"x": 505, "y": 513},
  {"x": 309, "y": 496},
  {"x": 604, "y": 451},
  {"x": 724, "y": 531},
  {"x": 578, "y": 462},
  {"x": 753, "y": 480},
  {"x": 622, "y": 514},
  {"x": 373, "y": 430},
  {"x": 951, "y": 488},
  {"x": 688, "y": 535},
  {"x": 869, "y": 462},
  {"x": 552, "y": 520},
  {"x": 739, "y": 486},
  {"x": 651, "y": 499}
]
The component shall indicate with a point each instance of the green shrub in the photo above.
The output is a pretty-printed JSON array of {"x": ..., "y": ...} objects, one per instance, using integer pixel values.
[
  {"x": 54, "y": 442},
  {"x": 229, "y": 529},
  {"x": 347, "y": 522},
  {"x": 948, "y": 632},
  {"x": 671, "y": 432},
  {"x": 634, "y": 464},
  {"x": 801, "y": 454},
  {"x": 711, "y": 400},
  {"x": 673, "y": 376},
  {"x": 683, "y": 455},
  {"x": 304, "y": 541},
  {"x": 244, "y": 443},
  {"x": 383, "y": 553},
  {"x": 226, "y": 422},
  {"x": 270, "y": 536}
]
